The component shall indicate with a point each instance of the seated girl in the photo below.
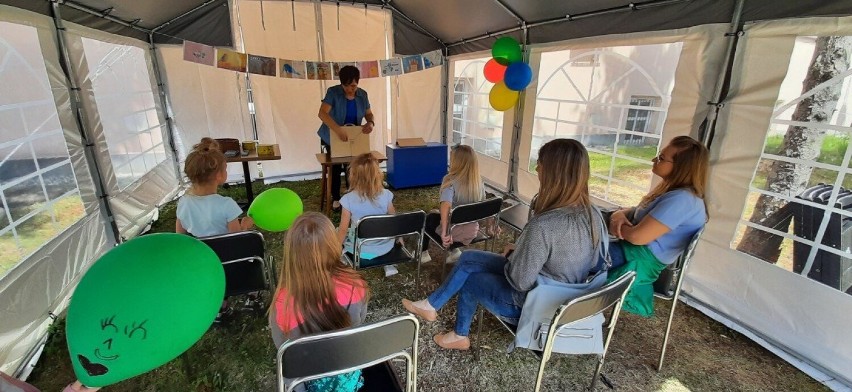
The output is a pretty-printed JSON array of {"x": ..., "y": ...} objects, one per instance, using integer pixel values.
[
  {"x": 653, "y": 234},
  {"x": 561, "y": 242},
  {"x": 366, "y": 197},
  {"x": 461, "y": 185},
  {"x": 201, "y": 211},
  {"x": 317, "y": 292}
]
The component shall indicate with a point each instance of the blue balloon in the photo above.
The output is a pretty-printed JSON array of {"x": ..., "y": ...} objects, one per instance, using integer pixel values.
[{"x": 518, "y": 76}]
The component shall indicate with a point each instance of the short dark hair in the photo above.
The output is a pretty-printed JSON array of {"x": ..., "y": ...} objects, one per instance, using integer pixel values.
[{"x": 349, "y": 74}]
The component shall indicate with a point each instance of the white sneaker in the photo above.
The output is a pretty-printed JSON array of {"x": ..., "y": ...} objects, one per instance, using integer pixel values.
[
  {"x": 390, "y": 270},
  {"x": 425, "y": 257},
  {"x": 454, "y": 255}
]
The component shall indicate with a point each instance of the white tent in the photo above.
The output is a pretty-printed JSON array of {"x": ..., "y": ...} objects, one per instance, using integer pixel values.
[{"x": 98, "y": 108}]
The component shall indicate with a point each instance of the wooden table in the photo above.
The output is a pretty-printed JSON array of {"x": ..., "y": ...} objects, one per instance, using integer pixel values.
[
  {"x": 327, "y": 162},
  {"x": 253, "y": 157}
]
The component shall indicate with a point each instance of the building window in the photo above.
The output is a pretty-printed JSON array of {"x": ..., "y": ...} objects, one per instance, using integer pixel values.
[{"x": 613, "y": 100}]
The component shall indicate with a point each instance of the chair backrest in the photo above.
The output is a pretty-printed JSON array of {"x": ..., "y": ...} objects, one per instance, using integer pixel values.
[
  {"x": 242, "y": 256},
  {"x": 329, "y": 353},
  {"x": 389, "y": 226},
  {"x": 476, "y": 211},
  {"x": 236, "y": 246},
  {"x": 666, "y": 283},
  {"x": 595, "y": 302}
]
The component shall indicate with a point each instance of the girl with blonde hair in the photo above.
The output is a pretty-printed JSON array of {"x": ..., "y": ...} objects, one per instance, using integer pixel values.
[
  {"x": 653, "y": 234},
  {"x": 201, "y": 211},
  {"x": 317, "y": 292},
  {"x": 461, "y": 185},
  {"x": 560, "y": 242},
  {"x": 366, "y": 197}
]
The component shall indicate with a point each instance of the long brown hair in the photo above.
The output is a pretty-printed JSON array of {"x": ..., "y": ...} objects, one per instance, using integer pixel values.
[
  {"x": 464, "y": 175},
  {"x": 564, "y": 179},
  {"x": 689, "y": 170},
  {"x": 309, "y": 271},
  {"x": 365, "y": 177},
  {"x": 204, "y": 161}
]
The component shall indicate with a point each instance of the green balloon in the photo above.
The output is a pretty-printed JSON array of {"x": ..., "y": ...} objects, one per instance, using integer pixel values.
[
  {"x": 275, "y": 209},
  {"x": 142, "y": 304},
  {"x": 506, "y": 51}
]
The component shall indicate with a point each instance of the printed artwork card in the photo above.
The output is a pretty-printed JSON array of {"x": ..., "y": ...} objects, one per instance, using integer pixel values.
[
  {"x": 338, "y": 65},
  {"x": 369, "y": 69},
  {"x": 291, "y": 69},
  {"x": 391, "y": 67},
  {"x": 412, "y": 63},
  {"x": 261, "y": 65},
  {"x": 229, "y": 59},
  {"x": 199, "y": 53},
  {"x": 324, "y": 71},
  {"x": 432, "y": 59}
]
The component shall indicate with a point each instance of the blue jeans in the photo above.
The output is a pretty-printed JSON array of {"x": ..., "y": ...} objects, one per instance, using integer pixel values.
[
  {"x": 478, "y": 278},
  {"x": 616, "y": 254}
]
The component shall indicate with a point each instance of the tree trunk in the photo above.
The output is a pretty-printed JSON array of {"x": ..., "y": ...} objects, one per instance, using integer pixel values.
[{"x": 831, "y": 58}]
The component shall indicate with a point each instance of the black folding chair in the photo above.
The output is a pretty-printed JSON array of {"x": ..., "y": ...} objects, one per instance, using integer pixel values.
[
  {"x": 242, "y": 256},
  {"x": 668, "y": 285},
  {"x": 367, "y": 347},
  {"x": 383, "y": 227},
  {"x": 517, "y": 216},
  {"x": 469, "y": 213}
]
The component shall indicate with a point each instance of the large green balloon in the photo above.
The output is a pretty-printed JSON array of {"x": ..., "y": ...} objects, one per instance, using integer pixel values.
[
  {"x": 506, "y": 51},
  {"x": 275, "y": 209},
  {"x": 141, "y": 305}
]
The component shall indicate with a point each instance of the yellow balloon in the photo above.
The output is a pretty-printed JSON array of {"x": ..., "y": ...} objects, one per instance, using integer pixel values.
[{"x": 501, "y": 98}]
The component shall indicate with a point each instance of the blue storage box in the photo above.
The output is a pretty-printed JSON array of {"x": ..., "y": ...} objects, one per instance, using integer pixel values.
[{"x": 416, "y": 166}]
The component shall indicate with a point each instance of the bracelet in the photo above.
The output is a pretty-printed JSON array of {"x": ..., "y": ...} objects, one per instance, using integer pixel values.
[{"x": 372, "y": 122}]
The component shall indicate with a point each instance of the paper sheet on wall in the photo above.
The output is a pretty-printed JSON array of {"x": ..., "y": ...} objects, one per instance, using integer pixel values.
[{"x": 358, "y": 142}]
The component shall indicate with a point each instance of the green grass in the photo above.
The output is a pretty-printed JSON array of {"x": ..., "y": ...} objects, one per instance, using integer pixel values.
[
  {"x": 703, "y": 355},
  {"x": 832, "y": 152}
]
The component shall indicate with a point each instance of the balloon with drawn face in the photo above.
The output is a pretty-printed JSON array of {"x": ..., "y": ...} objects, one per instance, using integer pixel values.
[{"x": 142, "y": 304}]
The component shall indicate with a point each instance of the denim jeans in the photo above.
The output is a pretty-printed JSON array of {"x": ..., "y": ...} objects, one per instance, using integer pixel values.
[
  {"x": 478, "y": 278},
  {"x": 616, "y": 254}
]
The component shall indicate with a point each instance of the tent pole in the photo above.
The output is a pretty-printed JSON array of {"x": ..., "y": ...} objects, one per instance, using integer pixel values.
[
  {"x": 187, "y": 13},
  {"x": 445, "y": 96},
  {"x": 101, "y": 14},
  {"x": 79, "y": 117},
  {"x": 512, "y": 181},
  {"x": 568, "y": 18},
  {"x": 722, "y": 84},
  {"x": 249, "y": 94},
  {"x": 164, "y": 99}
]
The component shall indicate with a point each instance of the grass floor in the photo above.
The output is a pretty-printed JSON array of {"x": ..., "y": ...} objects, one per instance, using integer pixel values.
[{"x": 703, "y": 355}]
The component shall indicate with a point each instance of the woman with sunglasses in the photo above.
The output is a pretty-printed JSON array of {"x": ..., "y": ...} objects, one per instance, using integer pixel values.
[{"x": 653, "y": 234}]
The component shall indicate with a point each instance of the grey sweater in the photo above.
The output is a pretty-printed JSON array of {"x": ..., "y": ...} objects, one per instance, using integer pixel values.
[{"x": 557, "y": 244}]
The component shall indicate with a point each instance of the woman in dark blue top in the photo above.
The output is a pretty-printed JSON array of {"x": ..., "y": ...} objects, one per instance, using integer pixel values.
[{"x": 343, "y": 104}]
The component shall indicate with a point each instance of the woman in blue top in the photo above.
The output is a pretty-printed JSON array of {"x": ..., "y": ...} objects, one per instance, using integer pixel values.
[
  {"x": 653, "y": 234},
  {"x": 343, "y": 104}
]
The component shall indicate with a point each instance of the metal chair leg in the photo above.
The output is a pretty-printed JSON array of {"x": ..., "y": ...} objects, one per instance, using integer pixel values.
[{"x": 668, "y": 330}]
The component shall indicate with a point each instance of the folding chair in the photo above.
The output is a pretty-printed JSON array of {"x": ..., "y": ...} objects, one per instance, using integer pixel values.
[
  {"x": 342, "y": 351},
  {"x": 517, "y": 216},
  {"x": 578, "y": 309},
  {"x": 469, "y": 213},
  {"x": 382, "y": 227},
  {"x": 668, "y": 285},
  {"x": 242, "y": 256}
]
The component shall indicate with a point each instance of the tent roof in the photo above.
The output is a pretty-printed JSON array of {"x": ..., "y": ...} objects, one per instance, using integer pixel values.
[{"x": 420, "y": 26}]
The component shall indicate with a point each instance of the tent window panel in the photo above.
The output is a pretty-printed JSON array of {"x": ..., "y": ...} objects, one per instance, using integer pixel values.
[
  {"x": 127, "y": 108},
  {"x": 35, "y": 169},
  {"x": 798, "y": 214},
  {"x": 608, "y": 98},
  {"x": 477, "y": 124}
]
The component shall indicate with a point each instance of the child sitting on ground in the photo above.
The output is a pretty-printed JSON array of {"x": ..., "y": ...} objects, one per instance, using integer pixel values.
[
  {"x": 317, "y": 292},
  {"x": 201, "y": 211},
  {"x": 366, "y": 196},
  {"x": 461, "y": 185}
]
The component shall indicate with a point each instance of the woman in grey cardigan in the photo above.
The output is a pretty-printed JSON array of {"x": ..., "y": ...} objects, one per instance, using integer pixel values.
[{"x": 559, "y": 242}]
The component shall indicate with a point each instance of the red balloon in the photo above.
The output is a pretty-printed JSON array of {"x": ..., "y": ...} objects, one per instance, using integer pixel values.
[{"x": 494, "y": 71}]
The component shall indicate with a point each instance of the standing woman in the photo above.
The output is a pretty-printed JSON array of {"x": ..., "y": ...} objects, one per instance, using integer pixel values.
[
  {"x": 560, "y": 242},
  {"x": 653, "y": 234},
  {"x": 343, "y": 104}
]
